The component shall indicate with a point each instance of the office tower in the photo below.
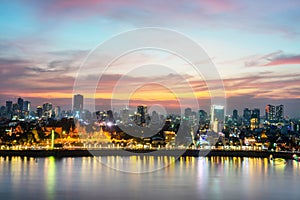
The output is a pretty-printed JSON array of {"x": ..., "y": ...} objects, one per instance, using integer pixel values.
[
  {"x": 47, "y": 109},
  {"x": 141, "y": 115},
  {"x": 279, "y": 113},
  {"x": 15, "y": 108},
  {"x": 255, "y": 119},
  {"x": 110, "y": 116},
  {"x": 217, "y": 113},
  {"x": 39, "y": 111},
  {"x": 9, "y": 107},
  {"x": 125, "y": 116},
  {"x": 78, "y": 103},
  {"x": 246, "y": 117},
  {"x": 270, "y": 113},
  {"x": 57, "y": 111},
  {"x": 26, "y": 106},
  {"x": 187, "y": 112},
  {"x": 20, "y": 103},
  {"x": 217, "y": 117},
  {"x": 202, "y": 116},
  {"x": 255, "y": 113},
  {"x": 235, "y": 115}
]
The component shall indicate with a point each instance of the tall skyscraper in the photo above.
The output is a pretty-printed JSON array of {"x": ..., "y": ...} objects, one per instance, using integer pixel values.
[
  {"x": 217, "y": 113},
  {"x": 125, "y": 115},
  {"x": 279, "y": 112},
  {"x": 141, "y": 115},
  {"x": 255, "y": 113},
  {"x": 246, "y": 116},
  {"x": 47, "y": 109},
  {"x": 235, "y": 115},
  {"x": 57, "y": 111},
  {"x": 26, "y": 106},
  {"x": 9, "y": 106},
  {"x": 39, "y": 111},
  {"x": 20, "y": 103},
  {"x": 270, "y": 112},
  {"x": 202, "y": 116},
  {"x": 255, "y": 118},
  {"x": 217, "y": 117},
  {"x": 187, "y": 112},
  {"x": 78, "y": 103}
]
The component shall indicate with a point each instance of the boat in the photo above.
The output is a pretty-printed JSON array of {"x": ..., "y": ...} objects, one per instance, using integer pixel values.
[
  {"x": 296, "y": 158},
  {"x": 277, "y": 161}
]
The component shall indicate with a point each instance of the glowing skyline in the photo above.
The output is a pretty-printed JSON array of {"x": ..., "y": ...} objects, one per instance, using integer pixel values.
[{"x": 254, "y": 46}]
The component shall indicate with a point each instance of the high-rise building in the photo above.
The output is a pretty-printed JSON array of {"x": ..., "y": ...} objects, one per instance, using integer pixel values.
[
  {"x": 9, "y": 106},
  {"x": 125, "y": 116},
  {"x": 217, "y": 117},
  {"x": 279, "y": 112},
  {"x": 78, "y": 103},
  {"x": 202, "y": 116},
  {"x": 217, "y": 113},
  {"x": 47, "y": 109},
  {"x": 57, "y": 111},
  {"x": 26, "y": 106},
  {"x": 246, "y": 116},
  {"x": 235, "y": 115},
  {"x": 187, "y": 112},
  {"x": 141, "y": 115},
  {"x": 255, "y": 118},
  {"x": 20, "y": 103},
  {"x": 39, "y": 111},
  {"x": 110, "y": 116},
  {"x": 270, "y": 113},
  {"x": 255, "y": 113}
]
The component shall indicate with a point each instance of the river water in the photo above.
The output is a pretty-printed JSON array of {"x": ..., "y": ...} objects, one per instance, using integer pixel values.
[{"x": 147, "y": 177}]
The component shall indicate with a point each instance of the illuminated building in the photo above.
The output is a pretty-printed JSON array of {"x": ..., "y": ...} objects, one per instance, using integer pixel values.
[
  {"x": 274, "y": 113},
  {"x": 255, "y": 118},
  {"x": 270, "y": 113},
  {"x": 39, "y": 111},
  {"x": 217, "y": 113},
  {"x": 202, "y": 116},
  {"x": 26, "y": 106},
  {"x": 78, "y": 103},
  {"x": 9, "y": 107},
  {"x": 187, "y": 112},
  {"x": 57, "y": 111},
  {"x": 235, "y": 115},
  {"x": 20, "y": 103},
  {"x": 110, "y": 116},
  {"x": 246, "y": 117},
  {"x": 217, "y": 117},
  {"x": 279, "y": 113},
  {"x": 141, "y": 115},
  {"x": 47, "y": 109}
]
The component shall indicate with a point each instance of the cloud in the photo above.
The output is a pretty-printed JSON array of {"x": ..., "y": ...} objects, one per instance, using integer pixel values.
[
  {"x": 284, "y": 60},
  {"x": 272, "y": 59},
  {"x": 261, "y": 60}
]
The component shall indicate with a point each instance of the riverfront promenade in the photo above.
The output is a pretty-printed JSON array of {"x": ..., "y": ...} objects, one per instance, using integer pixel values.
[{"x": 146, "y": 152}]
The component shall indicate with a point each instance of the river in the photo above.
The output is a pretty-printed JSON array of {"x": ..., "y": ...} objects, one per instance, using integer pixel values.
[{"x": 147, "y": 177}]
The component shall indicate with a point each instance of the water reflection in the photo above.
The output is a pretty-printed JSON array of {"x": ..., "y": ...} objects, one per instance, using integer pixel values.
[
  {"x": 187, "y": 177},
  {"x": 51, "y": 177}
]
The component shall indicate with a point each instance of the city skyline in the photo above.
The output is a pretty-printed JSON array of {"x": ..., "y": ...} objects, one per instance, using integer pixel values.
[{"x": 254, "y": 47}]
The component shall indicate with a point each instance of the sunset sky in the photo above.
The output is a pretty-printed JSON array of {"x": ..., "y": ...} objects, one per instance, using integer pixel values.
[{"x": 255, "y": 46}]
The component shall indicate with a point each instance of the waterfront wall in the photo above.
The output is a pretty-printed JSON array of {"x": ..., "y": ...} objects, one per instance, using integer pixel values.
[{"x": 121, "y": 152}]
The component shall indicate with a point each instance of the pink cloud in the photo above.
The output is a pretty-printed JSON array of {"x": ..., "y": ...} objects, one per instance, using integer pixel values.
[{"x": 290, "y": 60}]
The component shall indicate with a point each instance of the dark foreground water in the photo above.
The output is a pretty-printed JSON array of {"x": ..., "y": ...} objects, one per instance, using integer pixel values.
[{"x": 139, "y": 177}]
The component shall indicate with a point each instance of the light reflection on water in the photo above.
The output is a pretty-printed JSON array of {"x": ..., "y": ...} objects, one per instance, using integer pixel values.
[{"x": 187, "y": 177}]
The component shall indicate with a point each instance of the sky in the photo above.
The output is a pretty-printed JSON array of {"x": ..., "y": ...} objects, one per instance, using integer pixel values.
[{"x": 254, "y": 45}]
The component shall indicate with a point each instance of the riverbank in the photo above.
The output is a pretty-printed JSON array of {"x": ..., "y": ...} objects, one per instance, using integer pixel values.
[{"x": 142, "y": 152}]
